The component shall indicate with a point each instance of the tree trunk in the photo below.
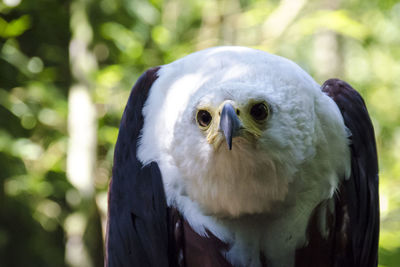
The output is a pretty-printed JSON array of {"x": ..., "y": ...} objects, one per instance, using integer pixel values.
[{"x": 84, "y": 245}]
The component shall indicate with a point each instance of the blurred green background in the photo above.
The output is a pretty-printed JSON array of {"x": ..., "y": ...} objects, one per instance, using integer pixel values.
[{"x": 66, "y": 69}]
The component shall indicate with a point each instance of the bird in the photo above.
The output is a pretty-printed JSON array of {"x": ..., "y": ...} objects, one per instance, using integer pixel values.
[{"x": 232, "y": 156}]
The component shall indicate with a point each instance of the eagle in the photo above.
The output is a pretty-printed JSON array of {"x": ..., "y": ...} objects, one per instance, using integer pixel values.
[{"x": 232, "y": 156}]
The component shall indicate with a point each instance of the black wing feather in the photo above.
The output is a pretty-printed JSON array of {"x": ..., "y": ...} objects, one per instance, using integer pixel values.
[
  {"x": 359, "y": 194},
  {"x": 137, "y": 230}
]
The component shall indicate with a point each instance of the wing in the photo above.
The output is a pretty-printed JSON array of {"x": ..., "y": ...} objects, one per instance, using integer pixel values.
[
  {"x": 357, "y": 206},
  {"x": 137, "y": 233}
]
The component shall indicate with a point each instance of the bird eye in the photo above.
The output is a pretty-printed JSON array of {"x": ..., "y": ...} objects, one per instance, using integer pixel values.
[
  {"x": 204, "y": 118},
  {"x": 259, "y": 111}
]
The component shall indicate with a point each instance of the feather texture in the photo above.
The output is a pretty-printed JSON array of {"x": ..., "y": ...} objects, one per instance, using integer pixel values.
[
  {"x": 359, "y": 194},
  {"x": 270, "y": 201},
  {"x": 137, "y": 231}
]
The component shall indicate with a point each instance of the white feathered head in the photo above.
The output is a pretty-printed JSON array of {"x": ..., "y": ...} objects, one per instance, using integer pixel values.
[{"x": 239, "y": 129}]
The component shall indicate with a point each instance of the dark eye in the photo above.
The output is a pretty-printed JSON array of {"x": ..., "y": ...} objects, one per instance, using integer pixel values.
[
  {"x": 259, "y": 111},
  {"x": 203, "y": 118}
]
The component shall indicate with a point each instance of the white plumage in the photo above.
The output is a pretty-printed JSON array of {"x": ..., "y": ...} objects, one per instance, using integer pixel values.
[{"x": 259, "y": 195}]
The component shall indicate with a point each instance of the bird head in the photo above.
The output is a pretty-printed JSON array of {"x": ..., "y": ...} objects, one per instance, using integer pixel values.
[{"x": 233, "y": 128}]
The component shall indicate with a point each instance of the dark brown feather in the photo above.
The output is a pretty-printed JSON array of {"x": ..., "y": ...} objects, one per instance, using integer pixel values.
[
  {"x": 137, "y": 230},
  {"x": 359, "y": 194},
  {"x": 194, "y": 250}
]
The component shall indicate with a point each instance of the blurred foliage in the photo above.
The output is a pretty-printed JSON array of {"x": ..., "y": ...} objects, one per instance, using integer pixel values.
[{"x": 36, "y": 196}]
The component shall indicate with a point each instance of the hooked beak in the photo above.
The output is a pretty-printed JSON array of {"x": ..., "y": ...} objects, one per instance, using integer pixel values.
[{"x": 229, "y": 123}]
